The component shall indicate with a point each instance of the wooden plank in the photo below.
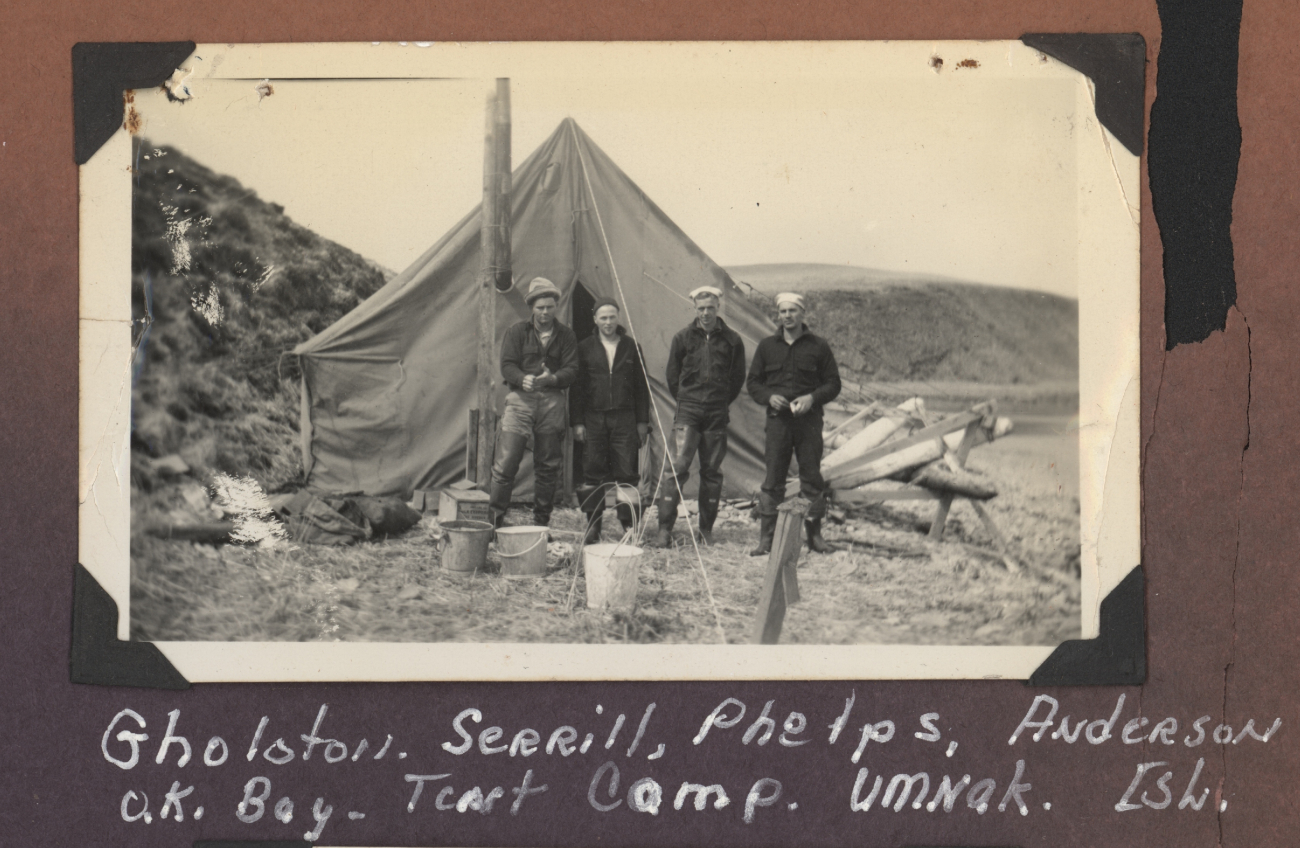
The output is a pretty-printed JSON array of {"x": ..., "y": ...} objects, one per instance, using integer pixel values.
[
  {"x": 487, "y": 422},
  {"x": 940, "y": 517},
  {"x": 871, "y": 436},
  {"x": 790, "y": 581},
  {"x": 938, "y": 476},
  {"x": 780, "y": 582},
  {"x": 792, "y": 511},
  {"x": 920, "y": 437},
  {"x": 852, "y": 419},
  {"x": 956, "y": 460},
  {"x": 999, "y": 541},
  {"x": 861, "y": 497},
  {"x": 567, "y": 492},
  {"x": 913, "y": 457},
  {"x": 495, "y": 270},
  {"x": 471, "y": 447}
]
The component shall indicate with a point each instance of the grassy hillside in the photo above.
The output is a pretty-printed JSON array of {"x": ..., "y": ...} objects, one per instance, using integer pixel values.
[
  {"x": 223, "y": 284},
  {"x": 811, "y": 276},
  {"x": 892, "y": 327}
]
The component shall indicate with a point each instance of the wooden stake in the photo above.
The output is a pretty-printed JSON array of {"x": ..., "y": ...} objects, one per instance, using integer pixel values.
[
  {"x": 781, "y": 583},
  {"x": 471, "y": 447},
  {"x": 956, "y": 461},
  {"x": 999, "y": 541},
  {"x": 495, "y": 272}
]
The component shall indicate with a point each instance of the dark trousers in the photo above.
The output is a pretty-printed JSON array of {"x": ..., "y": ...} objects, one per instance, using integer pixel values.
[
  {"x": 548, "y": 461},
  {"x": 701, "y": 430},
  {"x": 609, "y": 456},
  {"x": 541, "y": 414},
  {"x": 799, "y": 436}
]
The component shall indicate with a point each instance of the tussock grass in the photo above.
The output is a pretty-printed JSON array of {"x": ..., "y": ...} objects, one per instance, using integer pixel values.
[{"x": 887, "y": 585}]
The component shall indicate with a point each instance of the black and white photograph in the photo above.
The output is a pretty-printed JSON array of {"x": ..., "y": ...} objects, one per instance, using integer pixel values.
[{"x": 610, "y": 361}]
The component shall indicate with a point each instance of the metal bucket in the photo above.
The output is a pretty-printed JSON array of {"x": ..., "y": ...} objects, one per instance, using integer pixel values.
[
  {"x": 463, "y": 547},
  {"x": 612, "y": 574},
  {"x": 522, "y": 551}
]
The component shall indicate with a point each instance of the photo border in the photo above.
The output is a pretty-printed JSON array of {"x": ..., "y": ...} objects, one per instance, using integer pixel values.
[{"x": 1109, "y": 443}]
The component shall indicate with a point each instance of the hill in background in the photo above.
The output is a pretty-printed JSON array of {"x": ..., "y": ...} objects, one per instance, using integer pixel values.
[
  {"x": 887, "y": 326},
  {"x": 223, "y": 284}
]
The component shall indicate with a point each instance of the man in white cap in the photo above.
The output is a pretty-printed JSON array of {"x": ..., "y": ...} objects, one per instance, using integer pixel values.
[
  {"x": 706, "y": 371},
  {"x": 793, "y": 375},
  {"x": 539, "y": 360}
]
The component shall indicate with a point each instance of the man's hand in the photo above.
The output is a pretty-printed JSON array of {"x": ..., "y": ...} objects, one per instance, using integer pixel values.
[
  {"x": 801, "y": 404},
  {"x": 579, "y": 433},
  {"x": 533, "y": 382},
  {"x": 643, "y": 433},
  {"x": 778, "y": 403}
]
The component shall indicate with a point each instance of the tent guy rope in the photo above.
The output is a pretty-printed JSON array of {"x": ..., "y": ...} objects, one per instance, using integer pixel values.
[{"x": 600, "y": 224}]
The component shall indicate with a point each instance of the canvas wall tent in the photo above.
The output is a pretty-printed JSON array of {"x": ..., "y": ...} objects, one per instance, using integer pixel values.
[{"x": 387, "y": 388}]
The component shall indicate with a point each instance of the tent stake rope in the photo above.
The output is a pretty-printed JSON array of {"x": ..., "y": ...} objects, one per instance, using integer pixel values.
[{"x": 600, "y": 224}]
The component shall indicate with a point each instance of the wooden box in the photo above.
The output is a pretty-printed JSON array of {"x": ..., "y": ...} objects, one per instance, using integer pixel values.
[{"x": 463, "y": 505}]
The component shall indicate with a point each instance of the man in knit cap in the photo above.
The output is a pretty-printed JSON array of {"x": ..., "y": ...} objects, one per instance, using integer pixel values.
[
  {"x": 539, "y": 360},
  {"x": 793, "y": 375},
  {"x": 706, "y": 371}
]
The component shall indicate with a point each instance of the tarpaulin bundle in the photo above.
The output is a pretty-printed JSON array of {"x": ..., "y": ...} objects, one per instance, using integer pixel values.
[
  {"x": 387, "y": 388},
  {"x": 344, "y": 519}
]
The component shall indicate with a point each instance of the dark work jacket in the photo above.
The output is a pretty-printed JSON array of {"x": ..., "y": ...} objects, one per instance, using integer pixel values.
[
  {"x": 600, "y": 388},
  {"x": 805, "y": 367},
  {"x": 522, "y": 354},
  {"x": 706, "y": 369}
]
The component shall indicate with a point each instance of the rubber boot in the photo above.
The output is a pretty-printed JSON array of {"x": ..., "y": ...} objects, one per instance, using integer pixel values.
[
  {"x": 766, "y": 532},
  {"x": 499, "y": 502},
  {"x": 627, "y": 516},
  {"x": 547, "y": 458},
  {"x": 591, "y": 500},
  {"x": 509, "y": 451},
  {"x": 815, "y": 541},
  {"x": 593, "y": 530},
  {"x": 708, "y": 515}
]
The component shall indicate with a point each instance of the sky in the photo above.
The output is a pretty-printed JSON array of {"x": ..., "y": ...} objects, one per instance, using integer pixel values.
[{"x": 967, "y": 173}]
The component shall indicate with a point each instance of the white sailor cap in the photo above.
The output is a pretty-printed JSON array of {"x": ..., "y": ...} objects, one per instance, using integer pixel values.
[
  {"x": 790, "y": 297},
  {"x": 710, "y": 291}
]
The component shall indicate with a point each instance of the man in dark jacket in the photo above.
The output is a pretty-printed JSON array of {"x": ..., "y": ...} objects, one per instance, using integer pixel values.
[
  {"x": 539, "y": 360},
  {"x": 794, "y": 375},
  {"x": 706, "y": 371},
  {"x": 609, "y": 407}
]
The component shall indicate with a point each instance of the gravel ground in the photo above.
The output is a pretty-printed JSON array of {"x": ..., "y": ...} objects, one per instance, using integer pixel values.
[{"x": 888, "y": 584}]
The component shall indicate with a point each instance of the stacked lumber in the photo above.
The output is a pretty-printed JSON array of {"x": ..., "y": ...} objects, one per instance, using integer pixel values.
[{"x": 902, "y": 443}]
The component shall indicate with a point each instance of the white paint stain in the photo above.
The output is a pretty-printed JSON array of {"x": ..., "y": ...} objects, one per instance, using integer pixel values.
[
  {"x": 244, "y": 502},
  {"x": 177, "y": 86},
  {"x": 264, "y": 278},
  {"x": 208, "y": 304},
  {"x": 178, "y": 236}
]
